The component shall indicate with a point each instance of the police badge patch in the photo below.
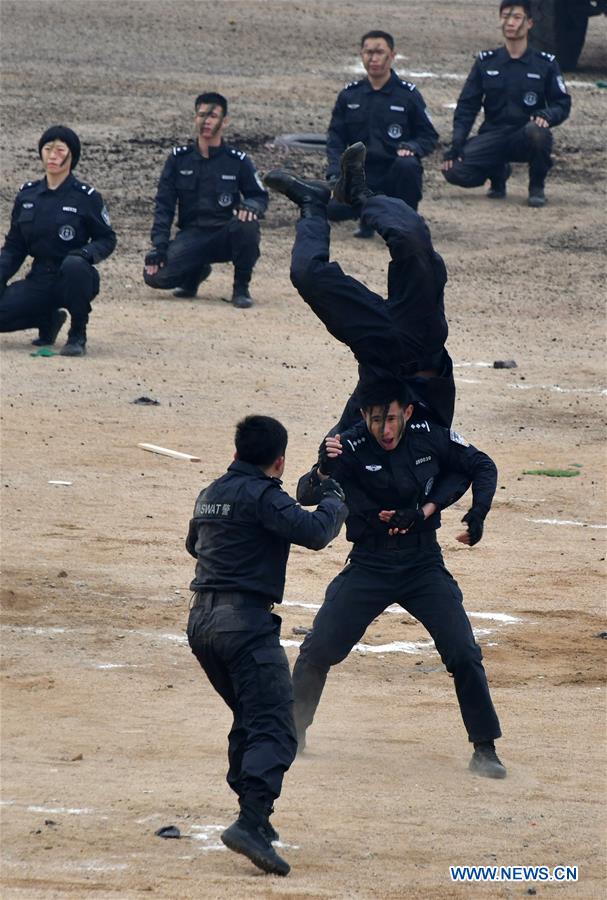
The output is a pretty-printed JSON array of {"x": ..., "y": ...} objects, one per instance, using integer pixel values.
[
  {"x": 530, "y": 98},
  {"x": 457, "y": 438},
  {"x": 225, "y": 199},
  {"x": 105, "y": 216},
  {"x": 67, "y": 233},
  {"x": 395, "y": 131}
]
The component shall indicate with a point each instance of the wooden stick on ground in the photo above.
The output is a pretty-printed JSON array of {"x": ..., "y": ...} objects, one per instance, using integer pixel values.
[{"x": 174, "y": 454}]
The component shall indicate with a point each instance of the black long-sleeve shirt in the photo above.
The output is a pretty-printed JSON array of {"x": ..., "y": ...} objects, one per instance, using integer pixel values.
[
  {"x": 242, "y": 529},
  {"x": 431, "y": 464},
  {"x": 385, "y": 120},
  {"x": 47, "y": 224},
  {"x": 204, "y": 191},
  {"x": 511, "y": 91}
]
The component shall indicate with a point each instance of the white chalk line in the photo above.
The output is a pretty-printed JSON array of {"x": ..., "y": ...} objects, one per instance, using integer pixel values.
[
  {"x": 565, "y": 522},
  {"x": 556, "y": 388},
  {"x": 61, "y": 810}
]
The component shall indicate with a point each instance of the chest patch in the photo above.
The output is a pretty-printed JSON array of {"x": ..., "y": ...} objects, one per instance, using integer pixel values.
[
  {"x": 67, "y": 233},
  {"x": 206, "y": 510},
  {"x": 28, "y": 206},
  {"x": 186, "y": 171},
  {"x": 457, "y": 438},
  {"x": 69, "y": 209},
  {"x": 229, "y": 177},
  {"x": 493, "y": 71},
  {"x": 395, "y": 131},
  {"x": 398, "y": 108},
  {"x": 533, "y": 75},
  {"x": 353, "y": 105},
  {"x": 225, "y": 199},
  {"x": 423, "y": 459},
  {"x": 372, "y": 468},
  {"x": 530, "y": 98}
]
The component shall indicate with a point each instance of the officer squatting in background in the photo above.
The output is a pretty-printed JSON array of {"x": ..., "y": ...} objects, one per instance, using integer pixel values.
[
  {"x": 397, "y": 473},
  {"x": 219, "y": 198},
  {"x": 524, "y": 96},
  {"x": 390, "y": 117},
  {"x": 64, "y": 225},
  {"x": 240, "y": 535},
  {"x": 403, "y": 336}
]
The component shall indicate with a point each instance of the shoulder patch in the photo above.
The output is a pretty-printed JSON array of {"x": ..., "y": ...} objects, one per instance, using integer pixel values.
[
  {"x": 409, "y": 85},
  {"x": 457, "y": 438},
  {"x": 548, "y": 56},
  {"x": 420, "y": 426},
  {"x": 485, "y": 54},
  {"x": 239, "y": 153},
  {"x": 356, "y": 442},
  {"x": 86, "y": 188},
  {"x": 27, "y": 184},
  {"x": 177, "y": 151}
]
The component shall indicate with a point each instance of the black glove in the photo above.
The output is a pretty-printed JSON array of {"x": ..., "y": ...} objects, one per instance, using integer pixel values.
[
  {"x": 404, "y": 146},
  {"x": 250, "y": 206},
  {"x": 331, "y": 488},
  {"x": 326, "y": 463},
  {"x": 452, "y": 152},
  {"x": 410, "y": 519},
  {"x": 84, "y": 253},
  {"x": 156, "y": 257},
  {"x": 474, "y": 519}
]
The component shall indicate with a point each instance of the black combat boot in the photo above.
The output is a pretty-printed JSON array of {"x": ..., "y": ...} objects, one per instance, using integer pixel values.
[
  {"x": 351, "y": 186},
  {"x": 497, "y": 184},
  {"x": 241, "y": 297},
  {"x": 76, "y": 341},
  {"x": 189, "y": 289},
  {"x": 537, "y": 197},
  {"x": 311, "y": 196},
  {"x": 486, "y": 762},
  {"x": 251, "y": 835},
  {"x": 47, "y": 333}
]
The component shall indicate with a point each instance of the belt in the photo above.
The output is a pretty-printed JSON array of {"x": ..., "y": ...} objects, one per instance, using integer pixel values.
[
  {"x": 211, "y": 599},
  {"x": 397, "y": 541}
]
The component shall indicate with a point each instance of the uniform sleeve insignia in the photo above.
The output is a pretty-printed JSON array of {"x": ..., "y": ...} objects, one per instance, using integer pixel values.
[
  {"x": 549, "y": 56},
  {"x": 423, "y": 426},
  {"x": 457, "y": 438},
  {"x": 86, "y": 187},
  {"x": 106, "y": 216},
  {"x": 561, "y": 83}
]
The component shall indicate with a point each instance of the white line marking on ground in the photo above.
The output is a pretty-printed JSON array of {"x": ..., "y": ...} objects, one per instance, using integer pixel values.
[
  {"x": 565, "y": 522},
  {"x": 557, "y": 388},
  {"x": 61, "y": 810}
]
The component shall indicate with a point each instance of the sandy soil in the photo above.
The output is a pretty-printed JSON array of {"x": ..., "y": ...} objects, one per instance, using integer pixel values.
[{"x": 109, "y": 729}]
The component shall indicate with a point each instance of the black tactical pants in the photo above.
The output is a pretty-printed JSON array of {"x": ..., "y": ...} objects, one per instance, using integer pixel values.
[
  {"x": 485, "y": 156},
  {"x": 239, "y": 649},
  {"x": 415, "y": 577},
  {"x": 395, "y": 337},
  {"x": 402, "y": 179},
  {"x": 71, "y": 284},
  {"x": 193, "y": 249}
]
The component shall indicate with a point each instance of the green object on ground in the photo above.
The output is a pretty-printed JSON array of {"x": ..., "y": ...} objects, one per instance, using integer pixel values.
[
  {"x": 602, "y": 84},
  {"x": 552, "y": 473},
  {"x": 44, "y": 351}
]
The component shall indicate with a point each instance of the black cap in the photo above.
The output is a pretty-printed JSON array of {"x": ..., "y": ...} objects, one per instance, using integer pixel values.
[{"x": 65, "y": 134}]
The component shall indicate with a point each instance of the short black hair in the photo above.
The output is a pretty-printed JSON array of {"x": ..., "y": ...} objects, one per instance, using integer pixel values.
[
  {"x": 212, "y": 97},
  {"x": 260, "y": 440},
  {"x": 381, "y": 392},
  {"x": 378, "y": 34},
  {"x": 524, "y": 3}
]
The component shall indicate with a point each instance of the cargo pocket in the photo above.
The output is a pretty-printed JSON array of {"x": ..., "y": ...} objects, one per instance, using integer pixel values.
[{"x": 273, "y": 675}]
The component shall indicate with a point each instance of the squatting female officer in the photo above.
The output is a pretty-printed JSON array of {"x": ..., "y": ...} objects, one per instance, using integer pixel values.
[{"x": 64, "y": 225}]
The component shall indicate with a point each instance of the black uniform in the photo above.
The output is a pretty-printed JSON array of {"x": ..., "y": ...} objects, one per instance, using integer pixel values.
[
  {"x": 400, "y": 336},
  {"x": 67, "y": 231},
  {"x": 386, "y": 120},
  {"x": 240, "y": 534},
  {"x": 511, "y": 91},
  {"x": 206, "y": 192},
  {"x": 405, "y": 569}
]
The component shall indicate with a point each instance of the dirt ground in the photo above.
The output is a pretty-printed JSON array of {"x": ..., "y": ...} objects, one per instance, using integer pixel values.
[{"x": 109, "y": 729}]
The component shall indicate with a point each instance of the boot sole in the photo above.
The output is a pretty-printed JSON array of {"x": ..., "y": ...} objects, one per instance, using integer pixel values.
[
  {"x": 257, "y": 858},
  {"x": 484, "y": 773}
]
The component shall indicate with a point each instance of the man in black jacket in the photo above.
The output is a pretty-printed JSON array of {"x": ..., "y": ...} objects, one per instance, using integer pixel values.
[
  {"x": 403, "y": 335},
  {"x": 240, "y": 536},
  {"x": 220, "y": 200},
  {"x": 524, "y": 97},
  {"x": 389, "y": 116},
  {"x": 397, "y": 474}
]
